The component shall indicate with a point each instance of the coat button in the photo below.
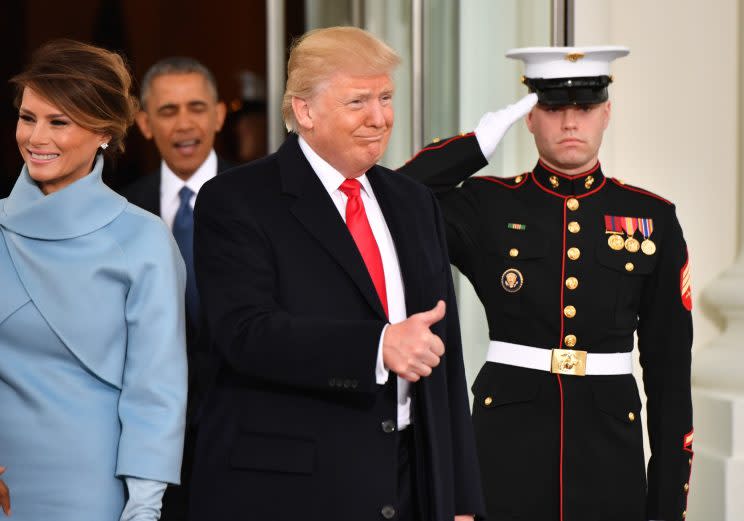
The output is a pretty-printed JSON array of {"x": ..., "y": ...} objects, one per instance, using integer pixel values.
[
  {"x": 631, "y": 416},
  {"x": 573, "y": 253},
  {"x": 347, "y": 384},
  {"x": 332, "y": 382},
  {"x": 686, "y": 487},
  {"x": 572, "y": 283},
  {"x": 574, "y": 227},
  {"x": 388, "y": 512},
  {"x": 629, "y": 266},
  {"x": 572, "y": 204},
  {"x": 487, "y": 401},
  {"x": 388, "y": 426},
  {"x": 513, "y": 252},
  {"x": 570, "y": 340},
  {"x": 569, "y": 311},
  {"x": 684, "y": 514},
  {"x": 518, "y": 179}
]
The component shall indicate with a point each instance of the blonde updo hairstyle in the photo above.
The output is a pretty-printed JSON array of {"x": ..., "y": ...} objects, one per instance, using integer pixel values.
[
  {"x": 91, "y": 85},
  {"x": 319, "y": 54}
]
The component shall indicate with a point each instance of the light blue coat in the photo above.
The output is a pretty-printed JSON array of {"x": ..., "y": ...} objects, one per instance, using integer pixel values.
[{"x": 108, "y": 281}]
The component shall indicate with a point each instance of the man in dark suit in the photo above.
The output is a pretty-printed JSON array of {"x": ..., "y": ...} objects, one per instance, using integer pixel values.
[
  {"x": 181, "y": 113},
  {"x": 329, "y": 302}
]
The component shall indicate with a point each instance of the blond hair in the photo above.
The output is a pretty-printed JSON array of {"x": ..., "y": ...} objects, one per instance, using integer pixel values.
[{"x": 319, "y": 54}]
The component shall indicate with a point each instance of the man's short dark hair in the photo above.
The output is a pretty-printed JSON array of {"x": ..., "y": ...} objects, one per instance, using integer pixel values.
[{"x": 175, "y": 65}]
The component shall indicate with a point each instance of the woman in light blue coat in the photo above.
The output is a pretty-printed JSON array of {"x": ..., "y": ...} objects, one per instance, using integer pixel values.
[{"x": 92, "y": 352}]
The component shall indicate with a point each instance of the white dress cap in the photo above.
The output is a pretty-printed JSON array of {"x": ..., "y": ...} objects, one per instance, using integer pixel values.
[{"x": 567, "y": 62}]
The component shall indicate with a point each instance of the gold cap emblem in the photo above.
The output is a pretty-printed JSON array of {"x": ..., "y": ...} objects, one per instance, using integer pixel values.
[{"x": 574, "y": 56}]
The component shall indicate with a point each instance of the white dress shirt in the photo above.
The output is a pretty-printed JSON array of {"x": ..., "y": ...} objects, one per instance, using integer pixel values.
[
  {"x": 171, "y": 184},
  {"x": 332, "y": 179}
]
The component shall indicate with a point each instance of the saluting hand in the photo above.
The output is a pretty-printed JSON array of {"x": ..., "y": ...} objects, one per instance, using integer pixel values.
[
  {"x": 410, "y": 349},
  {"x": 4, "y": 495},
  {"x": 493, "y": 125}
]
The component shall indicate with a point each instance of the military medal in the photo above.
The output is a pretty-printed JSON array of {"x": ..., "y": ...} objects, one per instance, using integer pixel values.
[
  {"x": 647, "y": 228},
  {"x": 613, "y": 226},
  {"x": 616, "y": 242},
  {"x": 630, "y": 224}
]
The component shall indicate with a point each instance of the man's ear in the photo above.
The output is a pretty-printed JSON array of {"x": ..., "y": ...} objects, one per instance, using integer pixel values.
[
  {"x": 301, "y": 109},
  {"x": 608, "y": 113},
  {"x": 143, "y": 122},
  {"x": 221, "y": 110},
  {"x": 528, "y": 120}
]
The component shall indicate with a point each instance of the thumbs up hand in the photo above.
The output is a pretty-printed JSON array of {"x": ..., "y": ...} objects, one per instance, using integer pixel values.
[{"x": 410, "y": 349}]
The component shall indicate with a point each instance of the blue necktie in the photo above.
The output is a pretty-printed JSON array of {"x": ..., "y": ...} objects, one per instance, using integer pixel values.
[{"x": 183, "y": 231}]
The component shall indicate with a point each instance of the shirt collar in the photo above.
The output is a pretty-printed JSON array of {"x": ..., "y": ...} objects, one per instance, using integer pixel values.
[
  {"x": 329, "y": 176},
  {"x": 564, "y": 185},
  {"x": 171, "y": 184}
]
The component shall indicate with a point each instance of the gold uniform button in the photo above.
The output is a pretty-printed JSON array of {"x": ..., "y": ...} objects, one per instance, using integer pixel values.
[
  {"x": 574, "y": 227},
  {"x": 572, "y": 204},
  {"x": 574, "y": 253},
  {"x": 570, "y": 340},
  {"x": 569, "y": 311},
  {"x": 629, "y": 266},
  {"x": 513, "y": 252},
  {"x": 572, "y": 283},
  {"x": 686, "y": 487},
  {"x": 488, "y": 401},
  {"x": 436, "y": 140},
  {"x": 518, "y": 179},
  {"x": 631, "y": 416},
  {"x": 689, "y": 462},
  {"x": 684, "y": 514}
]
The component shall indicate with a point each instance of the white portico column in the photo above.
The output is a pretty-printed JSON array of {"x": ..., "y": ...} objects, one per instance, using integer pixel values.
[{"x": 718, "y": 379}]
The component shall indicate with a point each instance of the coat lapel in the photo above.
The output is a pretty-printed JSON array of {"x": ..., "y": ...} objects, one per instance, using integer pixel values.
[
  {"x": 393, "y": 204},
  {"x": 316, "y": 212}
]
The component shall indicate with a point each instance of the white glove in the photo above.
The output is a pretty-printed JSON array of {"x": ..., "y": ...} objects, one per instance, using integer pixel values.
[
  {"x": 493, "y": 125},
  {"x": 145, "y": 500}
]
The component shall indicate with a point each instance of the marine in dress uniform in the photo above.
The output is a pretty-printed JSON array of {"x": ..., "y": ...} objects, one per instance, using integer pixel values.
[{"x": 568, "y": 268}]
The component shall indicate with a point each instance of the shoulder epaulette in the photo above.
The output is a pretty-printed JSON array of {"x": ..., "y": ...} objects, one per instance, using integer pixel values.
[
  {"x": 437, "y": 144},
  {"x": 632, "y": 188},
  {"x": 506, "y": 182}
]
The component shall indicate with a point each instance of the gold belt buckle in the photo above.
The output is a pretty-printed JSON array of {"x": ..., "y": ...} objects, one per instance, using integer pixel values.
[{"x": 568, "y": 361}]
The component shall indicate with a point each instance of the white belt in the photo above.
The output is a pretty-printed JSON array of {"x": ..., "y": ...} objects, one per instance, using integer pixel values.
[{"x": 562, "y": 361}]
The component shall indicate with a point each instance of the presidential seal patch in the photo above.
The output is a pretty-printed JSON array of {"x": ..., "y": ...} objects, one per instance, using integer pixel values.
[{"x": 512, "y": 280}]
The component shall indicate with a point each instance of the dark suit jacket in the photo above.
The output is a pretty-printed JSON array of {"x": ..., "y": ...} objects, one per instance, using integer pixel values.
[{"x": 295, "y": 426}]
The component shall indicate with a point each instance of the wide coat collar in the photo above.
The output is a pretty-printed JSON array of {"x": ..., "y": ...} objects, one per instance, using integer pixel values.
[{"x": 78, "y": 209}]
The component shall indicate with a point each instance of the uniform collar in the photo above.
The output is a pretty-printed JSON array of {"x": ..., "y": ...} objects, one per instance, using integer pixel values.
[
  {"x": 77, "y": 209},
  {"x": 564, "y": 185}
]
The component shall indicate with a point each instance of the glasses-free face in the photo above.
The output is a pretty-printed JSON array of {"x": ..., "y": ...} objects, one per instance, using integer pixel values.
[
  {"x": 57, "y": 151},
  {"x": 568, "y": 137},
  {"x": 348, "y": 122},
  {"x": 182, "y": 116}
]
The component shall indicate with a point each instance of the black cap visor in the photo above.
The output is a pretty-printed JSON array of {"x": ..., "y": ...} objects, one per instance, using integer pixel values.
[{"x": 555, "y": 92}]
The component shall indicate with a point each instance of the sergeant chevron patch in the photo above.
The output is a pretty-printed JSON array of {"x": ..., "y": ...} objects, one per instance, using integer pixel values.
[{"x": 684, "y": 285}]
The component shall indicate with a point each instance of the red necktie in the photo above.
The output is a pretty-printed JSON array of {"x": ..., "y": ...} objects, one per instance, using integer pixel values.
[{"x": 356, "y": 221}]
